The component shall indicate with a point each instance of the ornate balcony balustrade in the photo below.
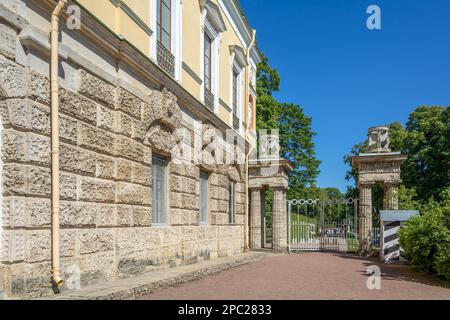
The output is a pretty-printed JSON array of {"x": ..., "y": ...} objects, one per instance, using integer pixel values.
[{"x": 166, "y": 59}]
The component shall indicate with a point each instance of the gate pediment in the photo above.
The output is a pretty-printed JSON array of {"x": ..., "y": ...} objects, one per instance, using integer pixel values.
[
  {"x": 273, "y": 174},
  {"x": 379, "y": 167}
]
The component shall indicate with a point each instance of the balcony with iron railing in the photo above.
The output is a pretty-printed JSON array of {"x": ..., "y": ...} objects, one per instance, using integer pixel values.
[
  {"x": 166, "y": 59},
  {"x": 209, "y": 99}
]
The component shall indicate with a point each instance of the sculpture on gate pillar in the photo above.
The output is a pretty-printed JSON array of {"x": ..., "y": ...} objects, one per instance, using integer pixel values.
[
  {"x": 379, "y": 139},
  {"x": 379, "y": 166}
]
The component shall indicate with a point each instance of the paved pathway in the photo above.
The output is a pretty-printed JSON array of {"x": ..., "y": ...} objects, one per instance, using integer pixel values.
[{"x": 308, "y": 276}]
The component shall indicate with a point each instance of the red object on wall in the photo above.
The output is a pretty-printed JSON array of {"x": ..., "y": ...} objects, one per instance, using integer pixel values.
[{"x": 252, "y": 113}]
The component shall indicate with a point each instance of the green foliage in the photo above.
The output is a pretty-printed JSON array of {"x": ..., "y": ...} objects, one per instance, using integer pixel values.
[
  {"x": 296, "y": 139},
  {"x": 268, "y": 79},
  {"x": 296, "y": 135},
  {"x": 407, "y": 199},
  {"x": 426, "y": 186},
  {"x": 428, "y": 145},
  {"x": 426, "y": 239},
  {"x": 426, "y": 141}
]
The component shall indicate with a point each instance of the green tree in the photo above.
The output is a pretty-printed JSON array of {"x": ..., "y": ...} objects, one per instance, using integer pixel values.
[
  {"x": 297, "y": 146},
  {"x": 296, "y": 135},
  {"x": 426, "y": 239},
  {"x": 428, "y": 145},
  {"x": 426, "y": 141},
  {"x": 268, "y": 79}
]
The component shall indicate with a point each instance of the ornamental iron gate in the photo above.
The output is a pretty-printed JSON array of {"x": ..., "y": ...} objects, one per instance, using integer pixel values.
[{"x": 323, "y": 225}]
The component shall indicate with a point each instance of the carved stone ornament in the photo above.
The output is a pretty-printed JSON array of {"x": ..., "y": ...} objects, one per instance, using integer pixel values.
[
  {"x": 379, "y": 139},
  {"x": 160, "y": 119}
]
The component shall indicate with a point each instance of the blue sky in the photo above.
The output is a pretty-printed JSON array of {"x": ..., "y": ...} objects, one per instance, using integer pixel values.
[{"x": 349, "y": 78}]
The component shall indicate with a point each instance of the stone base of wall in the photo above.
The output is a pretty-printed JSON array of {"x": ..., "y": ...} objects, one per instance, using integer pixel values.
[
  {"x": 109, "y": 130},
  {"x": 121, "y": 253}
]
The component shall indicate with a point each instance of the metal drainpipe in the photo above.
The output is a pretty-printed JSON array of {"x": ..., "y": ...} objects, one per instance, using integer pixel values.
[
  {"x": 247, "y": 92},
  {"x": 57, "y": 281}
]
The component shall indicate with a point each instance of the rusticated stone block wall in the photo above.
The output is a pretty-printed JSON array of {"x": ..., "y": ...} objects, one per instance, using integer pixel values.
[{"x": 108, "y": 136}]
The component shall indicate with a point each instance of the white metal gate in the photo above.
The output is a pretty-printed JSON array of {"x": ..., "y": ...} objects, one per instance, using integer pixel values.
[{"x": 323, "y": 225}]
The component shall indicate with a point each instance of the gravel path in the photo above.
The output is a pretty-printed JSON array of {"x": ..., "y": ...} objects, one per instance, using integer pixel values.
[{"x": 308, "y": 276}]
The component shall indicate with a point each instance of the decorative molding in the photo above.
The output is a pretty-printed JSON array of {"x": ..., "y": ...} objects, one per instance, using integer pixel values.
[
  {"x": 239, "y": 55},
  {"x": 192, "y": 73},
  {"x": 235, "y": 16},
  {"x": 214, "y": 16},
  {"x": 252, "y": 90},
  {"x": 99, "y": 35},
  {"x": 133, "y": 16},
  {"x": 224, "y": 105}
]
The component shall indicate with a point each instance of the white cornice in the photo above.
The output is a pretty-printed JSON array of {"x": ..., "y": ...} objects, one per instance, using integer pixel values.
[
  {"x": 239, "y": 55},
  {"x": 234, "y": 15},
  {"x": 213, "y": 15}
]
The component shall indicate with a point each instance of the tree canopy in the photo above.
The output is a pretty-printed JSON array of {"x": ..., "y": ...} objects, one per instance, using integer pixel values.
[
  {"x": 296, "y": 135},
  {"x": 426, "y": 141}
]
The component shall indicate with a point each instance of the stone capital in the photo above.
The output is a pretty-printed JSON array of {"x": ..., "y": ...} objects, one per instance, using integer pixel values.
[
  {"x": 366, "y": 185},
  {"x": 391, "y": 184}
]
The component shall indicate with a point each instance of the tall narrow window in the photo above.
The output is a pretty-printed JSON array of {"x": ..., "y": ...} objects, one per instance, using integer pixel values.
[
  {"x": 204, "y": 198},
  {"x": 164, "y": 23},
  {"x": 232, "y": 203},
  {"x": 235, "y": 91},
  {"x": 208, "y": 62},
  {"x": 159, "y": 201}
]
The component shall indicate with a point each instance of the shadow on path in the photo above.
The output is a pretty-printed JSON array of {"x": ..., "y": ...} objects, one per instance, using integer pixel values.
[{"x": 400, "y": 272}]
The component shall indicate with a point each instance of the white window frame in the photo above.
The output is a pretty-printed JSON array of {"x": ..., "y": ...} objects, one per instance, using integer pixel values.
[
  {"x": 176, "y": 35},
  {"x": 240, "y": 69},
  {"x": 213, "y": 27}
]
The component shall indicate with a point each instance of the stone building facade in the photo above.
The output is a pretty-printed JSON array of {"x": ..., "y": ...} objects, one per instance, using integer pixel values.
[{"x": 118, "y": 112}]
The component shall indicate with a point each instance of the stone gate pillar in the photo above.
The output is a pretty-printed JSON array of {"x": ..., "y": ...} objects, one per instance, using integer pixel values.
[
  {"x": 390, "y": 196},
  {"x": 379, "y": 165},
  {"x": 365, "y": 219},
  {"x": 279, "y": 220},
  {"x": 263, "y": 175},
  {"x": 255, "y": 219}
]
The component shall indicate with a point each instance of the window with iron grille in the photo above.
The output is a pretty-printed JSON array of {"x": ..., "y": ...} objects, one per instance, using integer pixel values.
[
  {"x": 159, "y": 192},
  {"x": 232, "y": 203},
  {"x": 165, "y": 58},
  {"x": 204, "y": 197}
]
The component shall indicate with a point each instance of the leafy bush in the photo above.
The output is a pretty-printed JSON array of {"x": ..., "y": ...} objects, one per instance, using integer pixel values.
[{"x": 426, "y": 239}]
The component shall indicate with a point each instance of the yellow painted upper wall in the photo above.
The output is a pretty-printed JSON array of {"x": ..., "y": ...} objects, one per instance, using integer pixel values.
[
  {"x": 141, "y": 8},
  {"x": 117, "y": 19},
  {"x": 191, "y": 46},
  {"x": 104, "y": 10},
  {"x": 134, "y": 33}
]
